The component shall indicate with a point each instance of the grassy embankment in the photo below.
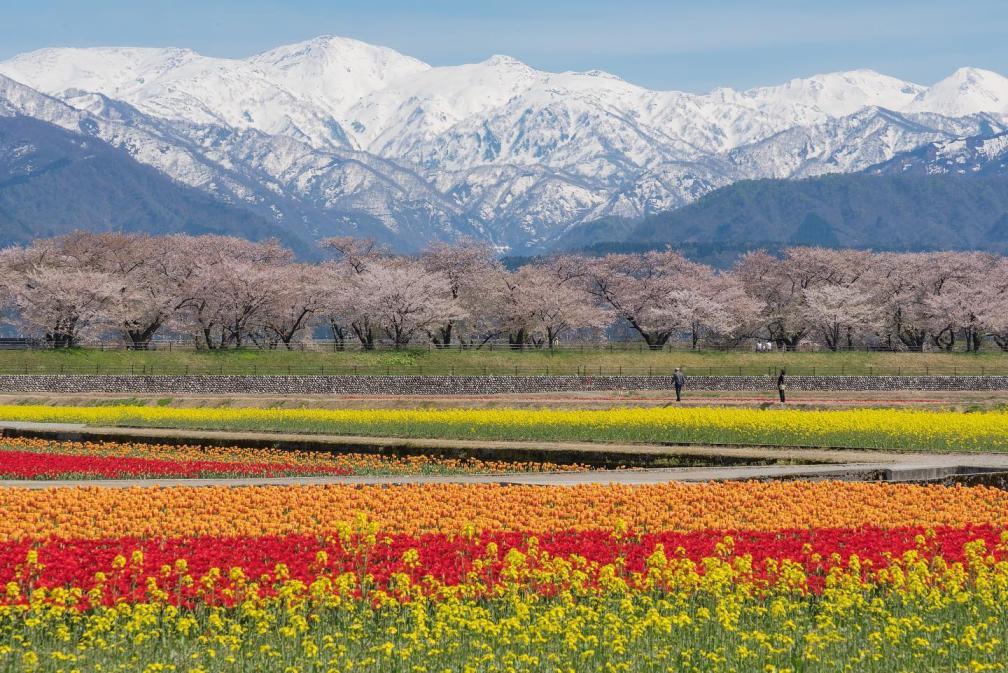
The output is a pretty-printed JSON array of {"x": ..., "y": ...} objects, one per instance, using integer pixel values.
[{"x": 498, "y": 362}]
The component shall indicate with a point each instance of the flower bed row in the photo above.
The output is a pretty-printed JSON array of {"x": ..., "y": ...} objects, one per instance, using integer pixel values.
[
  {"x": 225, "y": 571},
  {"x": 867, "y": 428},
  {"x": 41, "y": 459},
  {"x": 84, "y": 512},
  {"x": 28, "y": 465}
]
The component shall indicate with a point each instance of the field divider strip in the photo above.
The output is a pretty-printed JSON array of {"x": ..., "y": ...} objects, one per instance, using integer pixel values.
[{"x": 589, "y": 453}]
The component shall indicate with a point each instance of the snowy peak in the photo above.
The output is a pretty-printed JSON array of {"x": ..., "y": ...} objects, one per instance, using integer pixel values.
[
  {"x": 418, "y": 108},
  {"x": 964, "y": 92},
  {"x": 335, "y": 71},
  {"x": 180, "y": 85},
  {"x": 114, "y": 71},
  {"x": 838, "y": 94}
]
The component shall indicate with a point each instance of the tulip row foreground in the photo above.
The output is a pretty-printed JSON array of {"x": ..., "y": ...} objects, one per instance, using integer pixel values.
[
  {"x": 95, "y": 513},
  {"x": 40, "y": 459},
  {"x": 869, "y": 600},
  {"x": 358, "y": 561},
  {"x": 862, "y": 428},
  {"x": 780, "y": 576}
]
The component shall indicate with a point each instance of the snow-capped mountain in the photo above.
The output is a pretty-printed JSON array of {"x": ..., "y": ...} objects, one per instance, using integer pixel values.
[
  {"x": 852, "y": 143},
  {"x": 335, "y": 72},
  {"x": 966, "y": 91},
  {"x": 179, "y": 84},
  {"x": 334, "y": 134},
  {"x": 313, "y": 192}
]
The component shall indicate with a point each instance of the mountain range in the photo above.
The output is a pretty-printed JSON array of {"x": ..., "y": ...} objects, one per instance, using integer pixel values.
[{"x": 335, "y": 136}]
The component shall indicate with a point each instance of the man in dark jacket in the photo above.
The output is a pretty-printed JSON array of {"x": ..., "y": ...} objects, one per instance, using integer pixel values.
[
  {"x": 781, "y": 386},
  {"x": 679, "y": 381}
]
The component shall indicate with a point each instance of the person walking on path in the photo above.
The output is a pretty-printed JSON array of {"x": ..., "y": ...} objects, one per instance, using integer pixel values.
[
  {"x": 679, "y": 380},
  {"x": 781, "y": 386}
]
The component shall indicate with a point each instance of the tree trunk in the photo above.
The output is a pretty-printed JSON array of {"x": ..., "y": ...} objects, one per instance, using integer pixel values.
[
  {"x": 654, "y": 340},
  {"x": 208, "y": 339},
  {"x": 913, "y": 339},
  {"x": 339, "y": 335},
  {"x": 516, "y": 340},
  {"x": 399, "y": 339},
  {"x": 974, "y": 338},
  {"x": 831, "y": 335},
  {"x": 945, "y": 339},
  {"x": 140, "y": 338},
  {"x": 365, "y": 334},
  {"x": 442, "y": 336}
]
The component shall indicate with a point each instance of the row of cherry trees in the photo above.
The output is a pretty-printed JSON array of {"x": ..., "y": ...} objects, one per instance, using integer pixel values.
[{"x": 227, "y": 292}]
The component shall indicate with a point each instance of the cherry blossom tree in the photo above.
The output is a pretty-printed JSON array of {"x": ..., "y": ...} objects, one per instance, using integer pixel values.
[
  {"x": 296, "y": 300},
  {"x": 705, "y": 303},
  {"x": 994, "y": 312},
  {"x": 708, "y": 304},
  {"x": 915, "y": 292},
  {"x": 838, "y": 311},
  {"x": 508, "y": 303},
  {"x": 464, "y": 265},
  {"x": 635, "y": 286},
  {"x": 959, "y": 302},
  {"x": 489, "y": 307},
  {"x": 345, "y": 307},
  {"x": 784, "y": 285},
  {"x": 405, "y": 299},
  {"x": 337, "y": 306},
  {"x": 230, "y": 288},
  {"x": 49, "y": 298},
  {"x": 151, "y": 269},
  {"x": 229, "y": 292},
  {"x": 899, "y": 292},
  {"x": 552, "y": 301}
]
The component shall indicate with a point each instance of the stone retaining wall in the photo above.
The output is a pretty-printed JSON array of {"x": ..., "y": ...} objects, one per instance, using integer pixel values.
[{"x": 468, "y": 385}]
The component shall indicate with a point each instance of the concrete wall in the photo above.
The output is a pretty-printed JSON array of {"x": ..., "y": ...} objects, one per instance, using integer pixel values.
[{"x": 468, "y": 385}]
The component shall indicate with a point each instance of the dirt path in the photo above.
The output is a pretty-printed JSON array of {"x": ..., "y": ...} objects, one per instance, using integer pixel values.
[
  {"x": 579, "y": 400},
  {"x": 925, "y": 469}
]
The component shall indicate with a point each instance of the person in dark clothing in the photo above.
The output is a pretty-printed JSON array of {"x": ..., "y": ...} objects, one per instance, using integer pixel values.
[
  {"x": 781, "y": 386},
  {"x": 679, "y": 381}
]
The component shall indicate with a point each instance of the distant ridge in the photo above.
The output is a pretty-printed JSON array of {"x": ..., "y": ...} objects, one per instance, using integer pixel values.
[
  {"x": 53, "y": 181},
  {"x": 881, "y": 212}
]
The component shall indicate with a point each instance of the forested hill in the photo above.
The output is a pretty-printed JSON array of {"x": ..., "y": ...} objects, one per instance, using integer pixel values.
[
  {"x": 884, "y": 212},
  {"x": 53, "y": 181}
]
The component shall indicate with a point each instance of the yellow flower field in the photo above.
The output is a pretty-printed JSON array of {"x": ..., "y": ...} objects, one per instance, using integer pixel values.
[{"x": 861, "y": 428}]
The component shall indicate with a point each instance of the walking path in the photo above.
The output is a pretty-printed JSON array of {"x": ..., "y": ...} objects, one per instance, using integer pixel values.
[
  {"x": 924, "y": 470},
  {"x": 573, "y": 399},
  {"x": 837, "y": 463}
]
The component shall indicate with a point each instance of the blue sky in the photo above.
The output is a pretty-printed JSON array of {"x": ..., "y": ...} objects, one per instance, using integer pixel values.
[{"x": 692, "y": 46}]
